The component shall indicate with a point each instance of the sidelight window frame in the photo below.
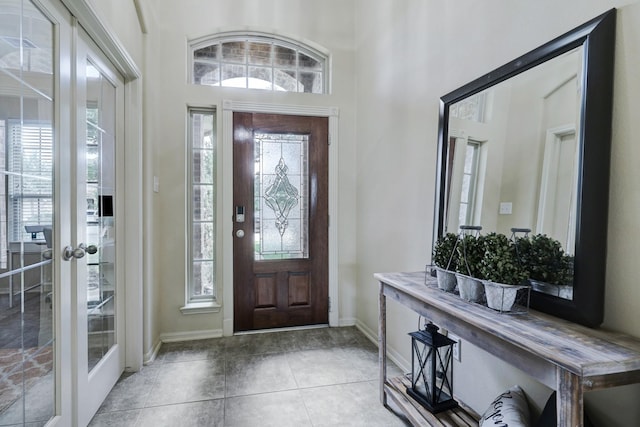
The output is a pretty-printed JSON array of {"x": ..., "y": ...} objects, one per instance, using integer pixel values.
[
  {"x": 472, "y": 156},
  {"x": 197, "y": 301}
]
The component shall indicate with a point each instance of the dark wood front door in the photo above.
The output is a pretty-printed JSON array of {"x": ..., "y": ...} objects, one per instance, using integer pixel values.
[{"x": 280, "y": 193}]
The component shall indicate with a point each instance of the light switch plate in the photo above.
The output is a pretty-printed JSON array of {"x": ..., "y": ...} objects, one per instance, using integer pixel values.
[{"x": 506, "y": 208}]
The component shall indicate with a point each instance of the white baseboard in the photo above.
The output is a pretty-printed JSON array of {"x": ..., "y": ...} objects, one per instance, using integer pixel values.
[
  {"x": 151, "y": 355},
  {"x": 190, "y": 335},
  {"x": 373, "y": 336},
  {"x": 217, "y": 333},
  {"x": 347, "y": 321},
  {"x": 392, "y": 354},
  {"x": 227, "y": 327}
]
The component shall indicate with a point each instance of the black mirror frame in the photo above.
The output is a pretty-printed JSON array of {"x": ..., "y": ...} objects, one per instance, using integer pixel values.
[{"x": 598, "y": 38}]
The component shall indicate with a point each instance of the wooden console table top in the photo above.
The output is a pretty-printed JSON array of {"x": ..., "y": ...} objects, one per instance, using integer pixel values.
[{"x": 565, "y": 356}]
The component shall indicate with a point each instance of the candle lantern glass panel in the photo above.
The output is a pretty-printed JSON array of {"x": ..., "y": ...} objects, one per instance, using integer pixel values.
[{"x": 432, "y": 369}]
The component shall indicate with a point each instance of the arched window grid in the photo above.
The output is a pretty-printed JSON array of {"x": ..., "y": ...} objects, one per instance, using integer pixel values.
[{"x": 258, "y": 61}]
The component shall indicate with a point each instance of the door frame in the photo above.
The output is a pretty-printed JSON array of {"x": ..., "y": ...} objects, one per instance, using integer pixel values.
[
  {"x": 92, "y": 387},
  {"x": 225, "y": 227},
  {"x": 136, "y": 262},
  {"x": 550, "y": 158}
]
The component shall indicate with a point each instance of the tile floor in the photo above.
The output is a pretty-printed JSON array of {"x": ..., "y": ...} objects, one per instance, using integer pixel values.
[{"x": 314, "y": 377}]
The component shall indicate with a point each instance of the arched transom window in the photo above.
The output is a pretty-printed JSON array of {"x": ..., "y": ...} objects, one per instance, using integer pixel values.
[{"x": 258, "y": 61}]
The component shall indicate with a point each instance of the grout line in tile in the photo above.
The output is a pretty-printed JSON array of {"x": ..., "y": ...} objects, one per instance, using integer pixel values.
[
  {"x": 180, "y": 403},
  {"x": 227, "y": 354}
]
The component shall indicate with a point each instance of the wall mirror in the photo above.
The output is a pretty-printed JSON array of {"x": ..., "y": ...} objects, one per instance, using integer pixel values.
[{"x": 527, "y": 146}]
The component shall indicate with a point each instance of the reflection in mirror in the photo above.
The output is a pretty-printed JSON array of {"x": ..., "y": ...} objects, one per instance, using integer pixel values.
[
  {"x": 513, "y": 154},
  {"x": 527, "y": 146}
]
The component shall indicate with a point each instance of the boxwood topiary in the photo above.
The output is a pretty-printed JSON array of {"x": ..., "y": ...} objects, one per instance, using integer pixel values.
[
  {"x": 500, "y": 262},
  {"x": 444, "y": 252},
  {"x": 471, "y": 251},
  {"x": 545, "y": 259}
]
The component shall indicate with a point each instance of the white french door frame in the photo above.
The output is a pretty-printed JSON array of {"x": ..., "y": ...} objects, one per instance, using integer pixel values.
[
  {"x": 225, "y": 163},
  {"x": 135, "y": 200},
  {"x": 132, "y": 214},
  {"x": 92, "y": 387},
  {"x": 61, "y": 272}
]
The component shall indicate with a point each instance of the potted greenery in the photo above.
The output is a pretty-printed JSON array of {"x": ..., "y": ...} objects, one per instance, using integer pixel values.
[
  {"x": 470, "y": 251},
  {"x": 445, "y": 259},
  {"x": 550, "y": 268},
  {"x": 502, "y": 271}
]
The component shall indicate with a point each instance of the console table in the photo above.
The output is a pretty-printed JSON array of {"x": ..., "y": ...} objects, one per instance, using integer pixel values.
[{"x": 565, "y": 356}]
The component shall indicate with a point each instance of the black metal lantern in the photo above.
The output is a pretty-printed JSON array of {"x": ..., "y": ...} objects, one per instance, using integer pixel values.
[{"x": 432, "y": 369}]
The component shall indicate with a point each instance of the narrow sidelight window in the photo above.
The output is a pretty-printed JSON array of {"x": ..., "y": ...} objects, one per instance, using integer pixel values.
[{"x": 202, "y": 206}]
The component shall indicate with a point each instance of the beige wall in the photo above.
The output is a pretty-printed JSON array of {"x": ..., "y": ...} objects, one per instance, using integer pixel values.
[
  {"x": 120, "y": 17},
  {"x": 429, "y": 48}
]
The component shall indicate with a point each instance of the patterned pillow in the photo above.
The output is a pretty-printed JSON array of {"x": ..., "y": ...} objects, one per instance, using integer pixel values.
[{"x": 509, "y": 409}]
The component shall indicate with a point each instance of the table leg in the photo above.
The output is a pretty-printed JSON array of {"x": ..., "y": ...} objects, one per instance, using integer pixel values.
[
  {"x": 569, "y": 399},
  {"x": 382, "y": 343}
]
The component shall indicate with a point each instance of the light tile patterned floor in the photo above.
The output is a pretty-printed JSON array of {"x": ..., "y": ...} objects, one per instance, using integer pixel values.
[{"x": 314, "y": 377}]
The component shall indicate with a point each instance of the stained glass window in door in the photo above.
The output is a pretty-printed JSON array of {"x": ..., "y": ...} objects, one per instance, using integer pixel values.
[{"x": 281, "y": 204}]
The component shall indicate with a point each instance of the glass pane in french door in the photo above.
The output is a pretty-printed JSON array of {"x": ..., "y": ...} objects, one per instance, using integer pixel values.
[
  {"x": 27, "y": 391},
  {"x": 100, "y": 197}
]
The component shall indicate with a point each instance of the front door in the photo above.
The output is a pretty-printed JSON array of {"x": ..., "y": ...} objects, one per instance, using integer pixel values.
[{"x": 280, "y": 193}]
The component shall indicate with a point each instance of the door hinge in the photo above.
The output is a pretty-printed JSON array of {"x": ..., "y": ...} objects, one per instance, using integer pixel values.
[
  {"x": 329, "y": 140},
  {"x": 329, "y": 299}
]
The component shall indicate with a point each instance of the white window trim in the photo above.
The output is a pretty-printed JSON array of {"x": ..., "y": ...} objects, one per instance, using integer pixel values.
[
  {"x": 201, "y": 307},
  {"x": 472, "y": 213},
  {"x": 202, "y": 304}
]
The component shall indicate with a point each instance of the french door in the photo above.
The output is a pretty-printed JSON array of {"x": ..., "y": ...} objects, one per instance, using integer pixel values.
[
  {"x": 32, "y": 359},
  {"x": 281, "y": 220},
  {"x": 60, "y": 135},
  {"x": 95, "y": 203}
]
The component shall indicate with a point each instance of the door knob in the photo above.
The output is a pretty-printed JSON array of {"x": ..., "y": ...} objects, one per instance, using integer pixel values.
[
  {"x": 240, "y": 233},
  {"x": 68, "y": 252}
]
